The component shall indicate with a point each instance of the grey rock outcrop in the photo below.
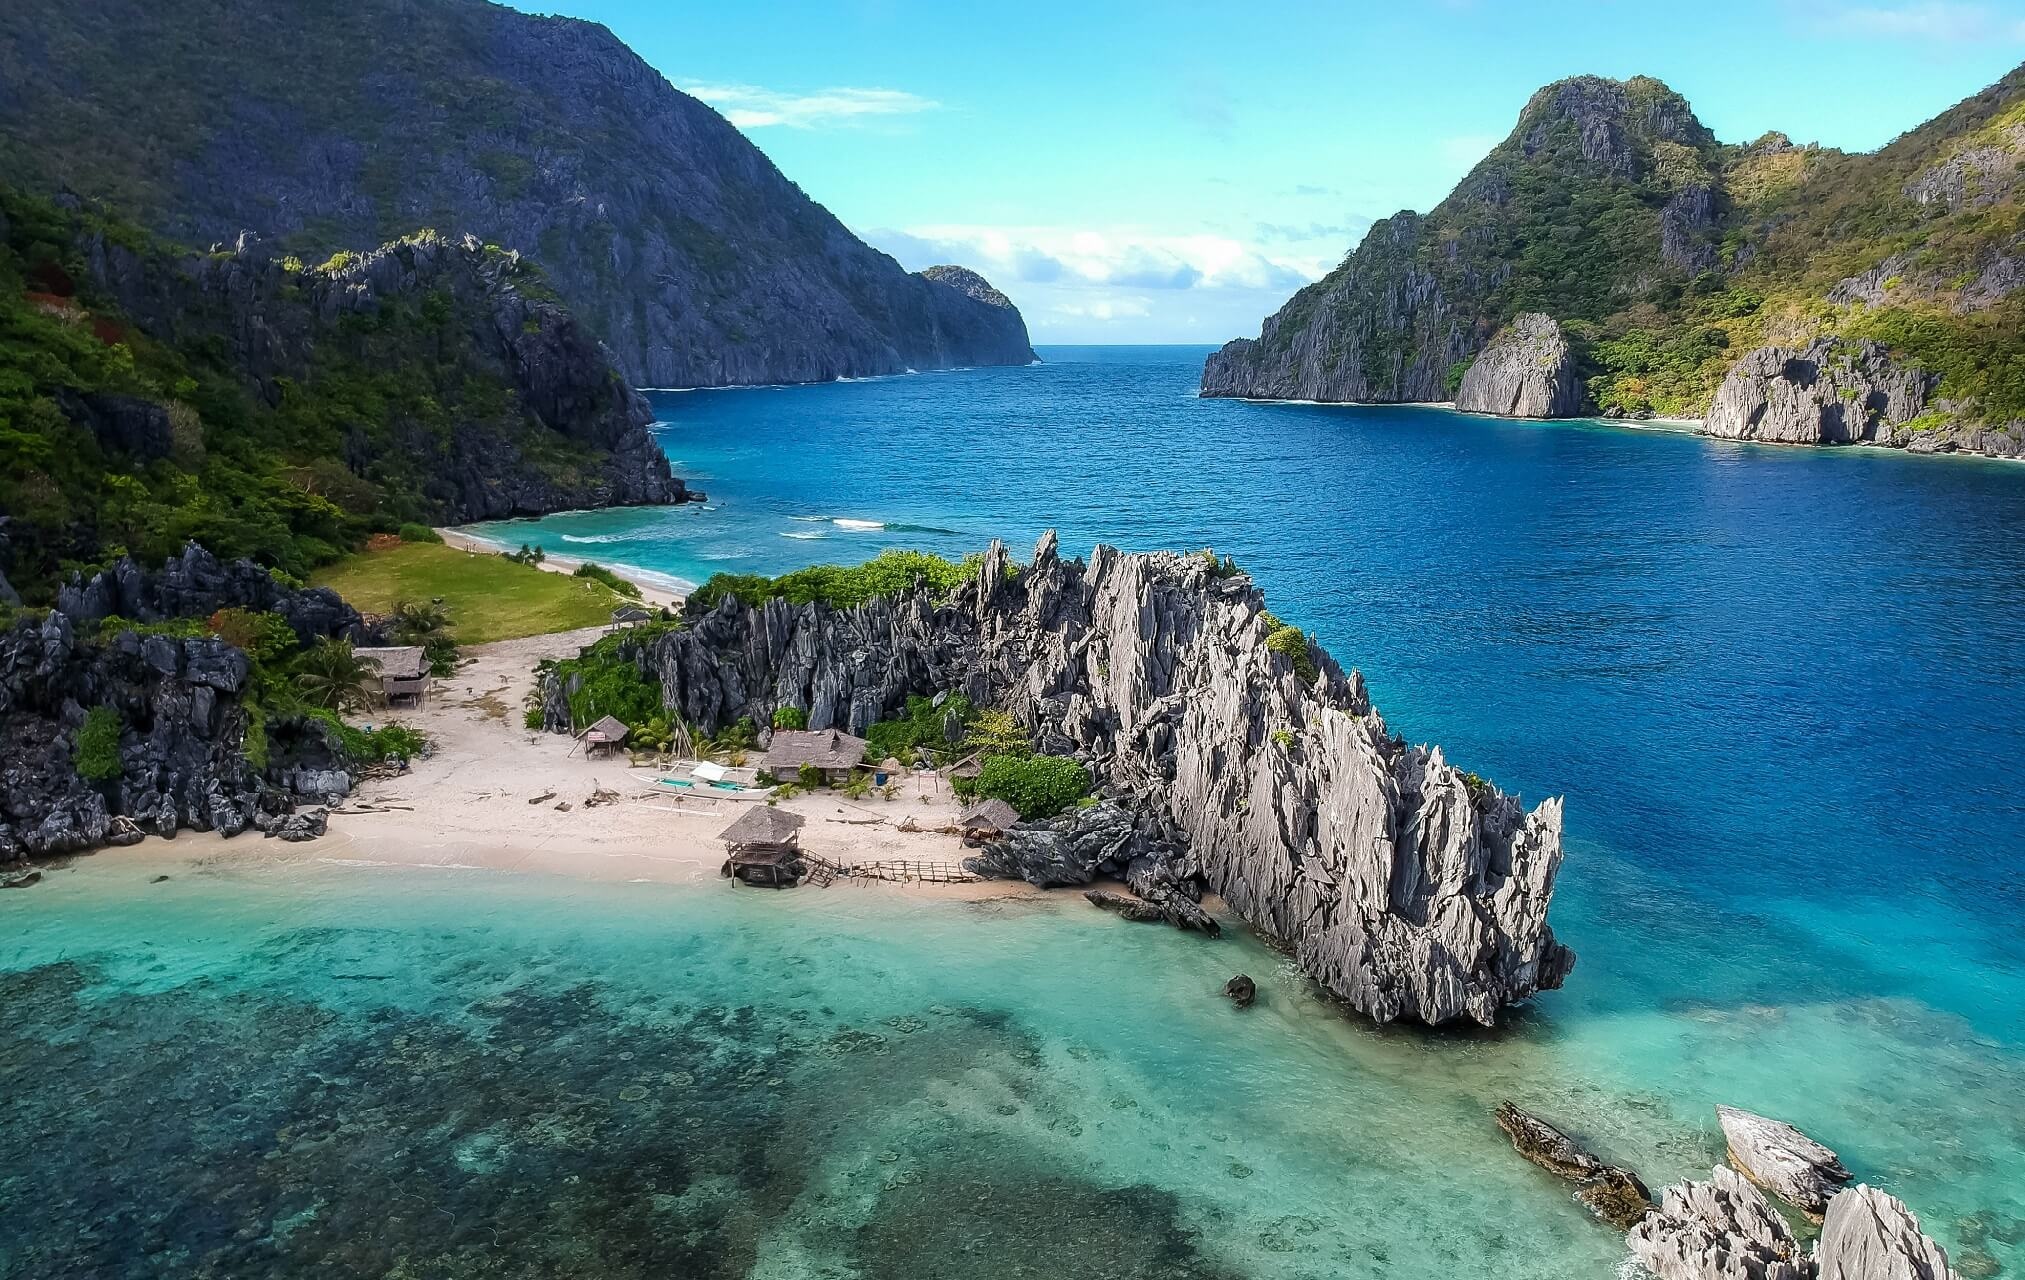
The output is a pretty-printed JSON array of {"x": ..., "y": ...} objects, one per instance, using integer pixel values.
[
  {"x": 1614, "y": 1194},
  {"x": 1241, "y": 991},
  {"x": 196, "y": 584},
  {"x": 182, "y": 732},
  {"x": 675, "y": 239},
  {"x": 271, "y": 318},
  {"x": 1869, "y": 1235},
  {"x": 1782, "y": 1160},
  {"x": 1831, "y": 392},
  {"x": 1394, "y": 879},
  {"x": 1722, "y": 1229},
  {"x": 1528, "y": 371}
]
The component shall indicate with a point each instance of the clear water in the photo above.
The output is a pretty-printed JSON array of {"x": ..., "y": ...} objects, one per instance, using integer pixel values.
[{"x": 1780, "y": 689}]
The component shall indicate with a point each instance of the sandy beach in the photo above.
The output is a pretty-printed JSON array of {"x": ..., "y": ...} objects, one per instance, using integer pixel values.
[{"x": 468, "y": 803}]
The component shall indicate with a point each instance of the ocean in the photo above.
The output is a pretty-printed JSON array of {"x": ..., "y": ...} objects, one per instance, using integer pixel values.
[{"x": 1780, "y": 690}]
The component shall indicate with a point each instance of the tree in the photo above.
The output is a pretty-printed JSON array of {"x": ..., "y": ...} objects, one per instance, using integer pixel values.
[
  {"x": 416, "y": 620},
  {"x": 329, "y": 675},
  {"x": 996, "y": 733}
]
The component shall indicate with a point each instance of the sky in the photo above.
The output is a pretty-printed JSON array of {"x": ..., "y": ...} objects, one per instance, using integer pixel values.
[{"x": 1172, "y": 172}]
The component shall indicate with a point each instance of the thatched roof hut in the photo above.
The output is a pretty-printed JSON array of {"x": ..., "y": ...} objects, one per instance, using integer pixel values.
[
  {"x": 608, "y": 732},
  {"x": 833, "y": 751},
  {"x": 764, "y": 847},
  {"x": 403, "y": 670},
  {"x": 987, "y": 818},
  {"x": 763, "y": 824}
]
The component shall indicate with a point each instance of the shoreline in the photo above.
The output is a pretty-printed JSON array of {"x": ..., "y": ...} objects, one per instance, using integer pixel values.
[{"x": 660, "y": 590}]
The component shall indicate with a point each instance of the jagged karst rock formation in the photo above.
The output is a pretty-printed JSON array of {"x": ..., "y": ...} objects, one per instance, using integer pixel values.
[
  {"x": 179, "y": 703},
  {"x": 1528, "y": 371},
  {"x": 197, "y": 584},
  {"x": 271, "y": 316},
  {"x": 1721, "y": 1229},
  {"x": 1612, "y": 1193},
  {"x": 1869, "y": 1235},
  {"x": 1831, "y": 392},
  {"x": 675, "y": 239},
  {"x": 1395, "y": 880},
  {"x": 1782, "y": 1159}
]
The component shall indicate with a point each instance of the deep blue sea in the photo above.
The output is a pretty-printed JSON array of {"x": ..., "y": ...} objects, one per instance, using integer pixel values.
[{"x": 1783, "y": 692}]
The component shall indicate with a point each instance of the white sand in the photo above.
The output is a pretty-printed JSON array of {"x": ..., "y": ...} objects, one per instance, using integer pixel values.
[{"x": 466, "y": 805}]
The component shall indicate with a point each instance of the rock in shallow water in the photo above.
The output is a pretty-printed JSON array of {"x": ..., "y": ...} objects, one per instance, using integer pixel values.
[
  {"x": 1242, "y": 991},
  {"x": 1782, "y": 1159},
  {"x": 1722, "y": 1229},
  {"x": 1402, "y": 884},
  {"x": 1613, "y": 1194},
  {"x": 1869, "y": 1235}
]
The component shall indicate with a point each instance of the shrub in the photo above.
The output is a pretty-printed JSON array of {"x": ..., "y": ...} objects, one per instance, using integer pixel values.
[
  {"x": 598, "y": 573},
  {"x": 373, "y": 746},
  {"x": 417, "y": 533},
  {"x": 840, "y": 586},
  {"x": 1292, "y": 644},
  {"x": 1037, "y": 786},
  {"x": 331, "y": 677},
  {"x": 263, "y": 636},
  {"x": 809, "y": 778},
  {"x": 526, "y": 555},
  {"x": 922, "y": 726},
  {"x": 790, "y": 718},
  {"x": 97, "y": 754}
]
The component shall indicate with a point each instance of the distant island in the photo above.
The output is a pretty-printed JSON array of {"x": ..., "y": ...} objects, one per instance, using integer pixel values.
[{"x": 1611, "y": 257}]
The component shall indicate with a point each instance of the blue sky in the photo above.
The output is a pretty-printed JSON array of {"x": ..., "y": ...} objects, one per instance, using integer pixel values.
[{"x": 1171, "y": 172}]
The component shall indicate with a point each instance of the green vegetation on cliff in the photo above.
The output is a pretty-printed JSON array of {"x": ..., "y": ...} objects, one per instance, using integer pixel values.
[
  {"x": 150, "y": 397},
  {"x": 840, "y": 586},
  {"x": 1667, "y": 256}
]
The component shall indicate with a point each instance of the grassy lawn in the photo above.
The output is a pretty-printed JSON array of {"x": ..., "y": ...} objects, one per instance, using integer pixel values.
[{"x": 489, "y": 597}]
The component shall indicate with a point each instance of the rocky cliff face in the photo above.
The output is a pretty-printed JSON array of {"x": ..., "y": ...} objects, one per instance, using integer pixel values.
[
  {"x": 1668, "y": 257},
  {"x": 180, "y": 708},
  {"x": 1836, "y": 392},
  {"x": 329, "y": 127},
  {"x": 1421, "y": 294},
  {"x": 473, "y": 309},
  {"x": 1528, "y": 371},
  {"x": 1405, "y": 886}
]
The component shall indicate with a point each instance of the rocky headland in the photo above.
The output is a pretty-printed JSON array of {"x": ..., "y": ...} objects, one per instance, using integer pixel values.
[
  {"x": 1790, "y": 294},
  {"x": 674, "y": 239},
  {"x": 186, "y": 750},
  {"x": 1233, "y": 756}
]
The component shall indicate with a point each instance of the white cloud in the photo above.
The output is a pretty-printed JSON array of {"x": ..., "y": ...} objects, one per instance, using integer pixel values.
[
  {"x": 1942, "y": 21},
  {"x": 1116, "y": 258},
  {"x": 1123, "y": 284},
  {"x": 751, "y": 107}
]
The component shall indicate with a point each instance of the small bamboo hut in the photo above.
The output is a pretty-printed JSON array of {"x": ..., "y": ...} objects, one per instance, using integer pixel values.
[
  {"x": 403, "y": 671},
  {"x": 607, "y": 733},
  {"x": 765, "y": 847},
  {"x": 631, "y": 615},
  {"x": 986, "y": 819}
]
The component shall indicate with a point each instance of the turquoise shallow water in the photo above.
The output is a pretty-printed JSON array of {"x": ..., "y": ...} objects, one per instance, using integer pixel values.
[{"x": 1780, "y": 690}]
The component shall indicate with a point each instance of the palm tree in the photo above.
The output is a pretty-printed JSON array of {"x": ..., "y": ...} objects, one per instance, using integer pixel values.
[
  {"x": 416, "y": 620},
  {"x": 331, "y": 676}
]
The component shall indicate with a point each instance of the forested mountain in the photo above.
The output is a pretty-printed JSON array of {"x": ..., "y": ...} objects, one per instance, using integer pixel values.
[
  {"x": 1667, "y": 258},
  {"x": 328, "y": 125}
]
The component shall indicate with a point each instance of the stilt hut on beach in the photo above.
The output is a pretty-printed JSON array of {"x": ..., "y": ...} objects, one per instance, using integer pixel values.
[
  {"x": 607, "y": 733},
  {"x": 765, "y": 847}
]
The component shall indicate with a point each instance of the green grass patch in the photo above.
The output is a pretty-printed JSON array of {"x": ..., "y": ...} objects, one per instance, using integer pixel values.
[{"x": 488, "y": 598}]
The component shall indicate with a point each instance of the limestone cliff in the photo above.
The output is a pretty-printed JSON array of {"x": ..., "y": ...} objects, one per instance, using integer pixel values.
[
  {"x": 1837, "y": 392},
  {"x": 340, "y": 126},
  {"x": 1405, "y": 886},
  {"x": 180, "y": 707},
  {"x": 1601, "y": 196},
  {"x": 1528, "y": 371}
]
